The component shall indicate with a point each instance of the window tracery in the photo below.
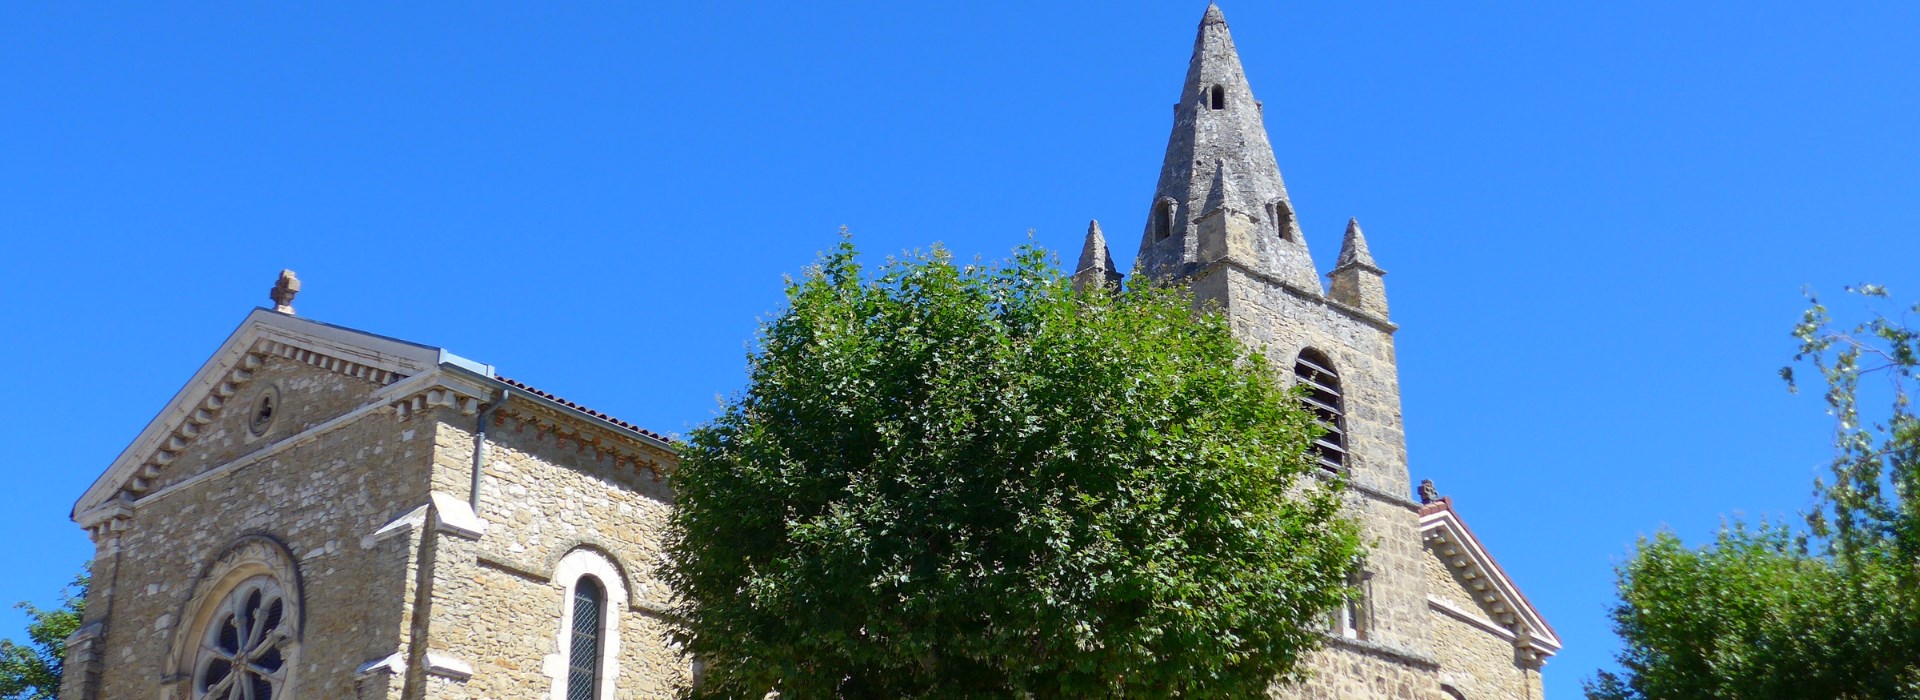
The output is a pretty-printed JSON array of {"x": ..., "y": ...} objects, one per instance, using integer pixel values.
[
  {"x": 239, "y": 636},
  {"x": 243, "y": 653}
]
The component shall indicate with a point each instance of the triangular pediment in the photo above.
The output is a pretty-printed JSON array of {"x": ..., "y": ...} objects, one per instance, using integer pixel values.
[
  {"x": 1497, "y": 600},
  {"x": 264, "y": 335}
]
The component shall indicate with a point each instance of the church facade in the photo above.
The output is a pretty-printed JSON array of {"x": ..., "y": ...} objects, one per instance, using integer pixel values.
[{"x": 323, "y": 512}]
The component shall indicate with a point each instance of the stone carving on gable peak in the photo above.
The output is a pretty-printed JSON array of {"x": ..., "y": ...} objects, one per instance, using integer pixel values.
[{"x": 283, "y": 292}]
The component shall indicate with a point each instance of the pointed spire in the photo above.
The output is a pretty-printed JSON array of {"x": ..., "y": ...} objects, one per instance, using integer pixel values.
[
  {"x": 1356, "y": 278},
  {"x": 1218, "y": 157},
  {"x": 1096, "y": 261},
  {"x": 1353, "y": 249}
]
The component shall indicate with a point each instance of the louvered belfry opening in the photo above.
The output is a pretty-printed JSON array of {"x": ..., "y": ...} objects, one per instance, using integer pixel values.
[
  {"x": 583, "y": 659},
  {"x": 1322, "y": 397}
]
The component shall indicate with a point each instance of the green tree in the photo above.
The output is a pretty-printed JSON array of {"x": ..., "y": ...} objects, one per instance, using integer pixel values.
[
  {"x": 948, "y": 481},
  {"x": 32, "y": 671},
  {"x": 1830, "y": 611}
]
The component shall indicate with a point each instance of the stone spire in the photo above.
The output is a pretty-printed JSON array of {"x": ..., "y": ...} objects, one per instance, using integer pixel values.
[
  {"x": 284, "y": 291},
  {"x": 1220, "y": 196},
  {"x": 1356, "y": 279},
  {"x": 1096, "y": 262}
]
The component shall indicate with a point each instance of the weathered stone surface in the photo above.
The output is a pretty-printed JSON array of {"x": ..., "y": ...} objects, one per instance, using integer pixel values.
[
  {"x": 317, "y": 499},
  {"x": 1221, "y": 223},
  {"x": 1218, "y": 159}
]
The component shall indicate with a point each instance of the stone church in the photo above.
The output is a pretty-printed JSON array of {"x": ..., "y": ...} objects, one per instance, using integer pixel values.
[{"x": 323, "y": 512}]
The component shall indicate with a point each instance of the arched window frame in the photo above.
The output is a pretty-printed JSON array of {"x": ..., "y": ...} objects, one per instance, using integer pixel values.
[
  {"x": 1280, "y": 214},
  {"x": 1325, "y": 397},
  {"x": 1161, "y": 218},
  {"x": 1452, "y": 693},
  {"x": 1217, "y": 97},
  {"x": 247, "y": 563},
  {"x": 588, "y": 564}
]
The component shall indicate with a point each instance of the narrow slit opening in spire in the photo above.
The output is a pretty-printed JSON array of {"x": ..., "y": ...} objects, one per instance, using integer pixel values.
[
  {"x": 1217, "y": 97},
  {"x": 1162, "y": 219},
  {"x": 1281, "y": 214}
]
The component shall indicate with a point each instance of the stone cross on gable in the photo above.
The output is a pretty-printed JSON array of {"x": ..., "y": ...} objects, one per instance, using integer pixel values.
[{"x": 284, "y": 291}]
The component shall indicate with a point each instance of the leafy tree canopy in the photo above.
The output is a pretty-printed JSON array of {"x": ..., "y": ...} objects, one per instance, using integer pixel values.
[
  {"x": 948, "y": 481},
  {"x": 32, "y": 671},
  {"x": 1831, "y": 611}
]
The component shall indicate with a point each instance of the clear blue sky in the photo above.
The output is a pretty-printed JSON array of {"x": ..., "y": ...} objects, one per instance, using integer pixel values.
[{"x": 1597, "y": 217}]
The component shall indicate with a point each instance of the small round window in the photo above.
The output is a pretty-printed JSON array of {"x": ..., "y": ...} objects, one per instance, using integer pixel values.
[{"x": 265, "y": 409}]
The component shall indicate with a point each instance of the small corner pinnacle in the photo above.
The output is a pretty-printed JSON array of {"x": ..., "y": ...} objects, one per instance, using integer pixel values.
[
  {"x": 1353, "y": 249},
  {"x": 284, "y": 291},
  {"x": 1096, "y": 260}
]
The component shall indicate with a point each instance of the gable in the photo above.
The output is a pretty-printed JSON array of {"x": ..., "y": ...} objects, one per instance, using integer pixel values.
[
  {"x": 319, "y": 372},
  {"x": 1466, "y": 583}
]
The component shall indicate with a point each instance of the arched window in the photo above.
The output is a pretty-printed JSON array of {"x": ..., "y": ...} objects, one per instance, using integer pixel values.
[
  {"x": 584, "y": 664},
  {"x": 1322, "y": 397},
  {"x": 1280, "y": 213},
  {"x": 1217, "y": 97},
  {"x": 583, "y": 659},
  {"x": 1161, "y": 218},
  {"x": 1452, "y": 693}
]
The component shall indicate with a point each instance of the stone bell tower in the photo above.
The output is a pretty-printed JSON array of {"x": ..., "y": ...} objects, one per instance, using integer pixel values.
[{"x": 1220, "y": 221}]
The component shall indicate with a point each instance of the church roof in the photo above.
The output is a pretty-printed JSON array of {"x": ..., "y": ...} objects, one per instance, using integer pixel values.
[{"x": 384, "y": 361}]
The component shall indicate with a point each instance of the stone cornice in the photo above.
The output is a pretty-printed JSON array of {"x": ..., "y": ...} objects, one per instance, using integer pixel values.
[
  {"x": 587, "y": 439},
  {"x": 206, "y": 396},
  {"x": 1310, "y": 296},
  {"x": 1383, "y": 651},
  {"x": 106, "y": 519},
  {"x": 1446, "y": 535},
  {"x": 568, "y": 428}
]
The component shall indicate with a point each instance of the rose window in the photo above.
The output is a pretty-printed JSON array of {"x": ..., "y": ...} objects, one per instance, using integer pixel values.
[{"x": 244, "y": 654}]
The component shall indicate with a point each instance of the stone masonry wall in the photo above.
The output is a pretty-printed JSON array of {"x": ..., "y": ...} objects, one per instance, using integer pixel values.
[
  {"x": 318, "y": 499},
  {"x": 1480, "y": 665},
  {"x": 1474, "y": 660},
  {"x": 1283, "y": 322},
  {"x": 1397, "y": 653},
  {"x": 496, "y": 604},
  {"x": 1349, "y": 671}
]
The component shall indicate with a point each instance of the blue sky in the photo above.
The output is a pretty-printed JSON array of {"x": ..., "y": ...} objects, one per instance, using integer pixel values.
[{"x": 1598, "y": 217}]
